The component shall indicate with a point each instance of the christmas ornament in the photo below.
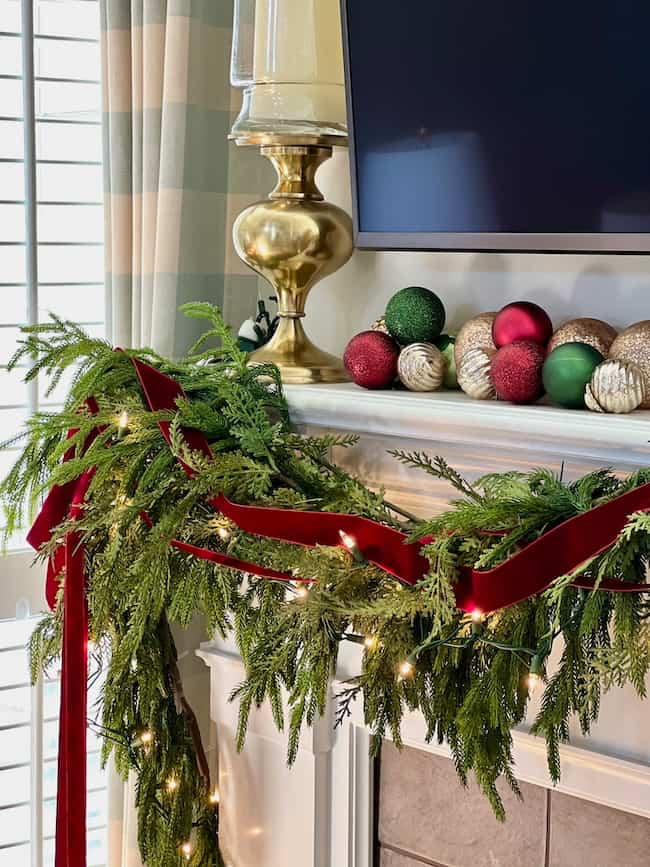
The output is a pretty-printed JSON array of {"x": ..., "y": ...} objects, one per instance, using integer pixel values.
[
  {"x": 474, "y": 373},
  {"x": 379, "y": 325},
  {"x": 415, "y": 315},
  {"x": 522, "y": 320},
  {"x": 371, "y": 359},
  {"x": 476, "y": 333},
  {"x": 595, "y": 332},
  {"x": 566, "y": 372},
  {"x": 633, "y": 345},
  {"x": 616, "y": 386},
  {"x": 421, "y": 367},
  {"x": 447, "y": 345},
  {"x": 517, "y": 371}
]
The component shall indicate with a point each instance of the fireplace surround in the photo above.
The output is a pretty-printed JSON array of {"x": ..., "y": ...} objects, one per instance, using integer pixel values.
[{"x": 323, "y": 812}]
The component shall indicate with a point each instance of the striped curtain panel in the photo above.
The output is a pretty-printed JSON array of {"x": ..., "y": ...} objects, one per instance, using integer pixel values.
[{"x": 166, "y": 121}]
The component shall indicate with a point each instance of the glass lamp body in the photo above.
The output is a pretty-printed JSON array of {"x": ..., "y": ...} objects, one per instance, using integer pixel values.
[{"x": 288, "y": 59}]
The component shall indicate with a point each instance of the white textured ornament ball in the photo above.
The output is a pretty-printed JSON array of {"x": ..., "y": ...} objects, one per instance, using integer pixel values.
[
  {"x": 633, "y": 346},
  {"x": 379, "y": 325},
  {"x": 474, "y": 373},
  {"x": 616, "y": 386},
  {"x": 421, "y": 367},
  {"x": 476, "y": 333}
]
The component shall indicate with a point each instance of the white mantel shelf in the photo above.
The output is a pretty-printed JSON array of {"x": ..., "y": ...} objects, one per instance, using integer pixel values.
[{"x": 454, "y": 417}]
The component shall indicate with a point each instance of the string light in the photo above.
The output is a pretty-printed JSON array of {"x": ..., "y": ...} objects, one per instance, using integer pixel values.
[
  {"x": 350, "y": 543},
  {"x": 223, "y": 533},
  {"x": 214, "y": 797},
  {"x": 301, "y": 591},
  {"x": 186, "y": 849},
  {"x": 370, "y": 642},
  {"x": 534, "y": 678},
  {"x": 477, "y": 616},
  {"x": 172, "y": 784},
  {"x": 146, "y": 737},
  {"x": 122, "y": 424},
  {"x": 406, "y": 669}
]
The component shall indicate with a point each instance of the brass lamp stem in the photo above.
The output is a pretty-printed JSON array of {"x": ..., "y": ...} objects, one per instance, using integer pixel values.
[{"x": 294, "y": 239}]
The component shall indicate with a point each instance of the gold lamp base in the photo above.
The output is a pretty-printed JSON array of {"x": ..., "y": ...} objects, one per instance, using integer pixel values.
[{"x": 294, "y": 239}]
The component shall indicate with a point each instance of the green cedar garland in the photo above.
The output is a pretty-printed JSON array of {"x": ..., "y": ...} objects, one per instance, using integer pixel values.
[{"x": 468, "y": 679}]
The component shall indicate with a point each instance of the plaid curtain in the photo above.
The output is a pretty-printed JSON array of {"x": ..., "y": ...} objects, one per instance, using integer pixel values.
[{"x": 167, "y": 115}]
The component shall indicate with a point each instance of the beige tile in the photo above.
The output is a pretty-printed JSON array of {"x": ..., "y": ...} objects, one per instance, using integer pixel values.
[
  {"x": 425, "y": 811},
  {"x": 390, "y": 858},
  {"x": 583, "y": 833}
]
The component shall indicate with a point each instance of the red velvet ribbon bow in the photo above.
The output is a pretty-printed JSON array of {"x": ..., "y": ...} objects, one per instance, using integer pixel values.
[{"x": 526, "y": 574}]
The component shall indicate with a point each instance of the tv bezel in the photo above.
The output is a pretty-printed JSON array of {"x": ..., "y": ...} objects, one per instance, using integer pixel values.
[{"x": 630, "y": 243}]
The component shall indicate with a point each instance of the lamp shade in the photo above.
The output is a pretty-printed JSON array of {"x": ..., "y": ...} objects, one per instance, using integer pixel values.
[{"x": 288, "y": 58}]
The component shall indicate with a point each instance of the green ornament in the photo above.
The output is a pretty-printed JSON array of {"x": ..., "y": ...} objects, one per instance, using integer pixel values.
[
  {"x": 566, "y": 372},
  {"x": 445, "y": 344},
  {"x": 415, "y": 315}
]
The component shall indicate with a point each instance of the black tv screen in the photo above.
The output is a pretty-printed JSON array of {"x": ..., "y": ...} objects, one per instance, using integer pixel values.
[{"x": 509, "y": 124}]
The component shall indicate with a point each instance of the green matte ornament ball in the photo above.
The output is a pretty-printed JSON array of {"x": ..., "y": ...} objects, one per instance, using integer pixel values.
[
  {"x": 446, "y": 344},
  {"x": 566, "y": 372},
  {"x": 415, "y": 315}
]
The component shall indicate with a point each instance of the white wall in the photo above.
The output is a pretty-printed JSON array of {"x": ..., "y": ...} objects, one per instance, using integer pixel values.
[{"x": 614, "y": 288}]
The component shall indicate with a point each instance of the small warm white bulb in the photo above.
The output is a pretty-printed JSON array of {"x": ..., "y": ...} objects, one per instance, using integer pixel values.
[
  {"x": 406, "y": 669},
  {"x": 146, "y": 737},
  {"x": 214, "y": 796},
  {"x": 477, "y": 616},
  {"x": 370, "y": 641},
  {"x": 172, "y": 784},
  {"x": 223, "y": 533},
  {"x": 302, "y": 592},
  {"x": 123, "y": 421},
  {"x": 186, "y": 849},
  {"x": 349, "y": 541},
  {"x": 533, "y": 681}
]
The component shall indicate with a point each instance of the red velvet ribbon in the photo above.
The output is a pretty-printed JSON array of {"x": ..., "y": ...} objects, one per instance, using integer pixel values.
[{"x": 526, "y": 574}]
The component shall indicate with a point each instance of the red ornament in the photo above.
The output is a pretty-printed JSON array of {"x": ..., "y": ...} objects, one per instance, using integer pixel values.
[
  {"x": 517, "y": 371},
  {"x": 371, "y": 359},
  {"x": 522, "y": 320}
]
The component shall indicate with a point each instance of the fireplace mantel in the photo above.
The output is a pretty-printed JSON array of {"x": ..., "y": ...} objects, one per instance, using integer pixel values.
[{"x": 320, "y": 813}]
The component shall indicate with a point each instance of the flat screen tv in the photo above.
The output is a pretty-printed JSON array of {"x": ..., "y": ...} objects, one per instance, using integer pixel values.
[{"x": 500, "y": 125}]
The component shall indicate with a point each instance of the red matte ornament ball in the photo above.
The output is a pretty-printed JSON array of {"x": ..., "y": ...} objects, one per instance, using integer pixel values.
[
  {"x": 522, "y": 320},
  {"x": 371, "y": 359},
  {"x": 517, "y": 372}
]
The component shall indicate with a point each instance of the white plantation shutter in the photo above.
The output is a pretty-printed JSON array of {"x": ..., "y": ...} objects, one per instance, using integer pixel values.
[{"x": 51, "y": 259}]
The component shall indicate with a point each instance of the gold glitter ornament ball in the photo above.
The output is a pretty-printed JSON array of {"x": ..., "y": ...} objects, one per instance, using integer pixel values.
[
  {"x": 421, "y": 367},
  {"x": 615, "y": 386},
  {"x": 473, "y": 373},
  {"x": 593, "y": 332},
  {"x": 476, "y": 333},
  {"x": 633, "y": 346}
]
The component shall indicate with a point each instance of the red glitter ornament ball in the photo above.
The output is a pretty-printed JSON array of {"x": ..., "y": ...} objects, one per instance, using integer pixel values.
[
  {"x": 522, "y": 320},
  {"x": 371, "y": 359},
  {"x": 517, "y": 372}
]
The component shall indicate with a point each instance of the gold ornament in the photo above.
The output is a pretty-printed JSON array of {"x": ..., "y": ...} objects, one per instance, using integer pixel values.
[
  {"x": 380, "y": 325},
  {"x": 594, "y": 332},
  {"x": 421, "y": 367},
  {"x": 474, "y": 373},
  {"x": 476, "y": 333},
  {"x": 294, "y": 239},
  {"x": 633, "y": 345},
  {"x": 616, "y": 386}
]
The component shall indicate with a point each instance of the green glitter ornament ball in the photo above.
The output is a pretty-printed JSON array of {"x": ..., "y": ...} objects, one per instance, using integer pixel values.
[
  {"x": 566, "y": 372},
  {"x": 415, "y": 315}
]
